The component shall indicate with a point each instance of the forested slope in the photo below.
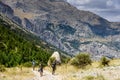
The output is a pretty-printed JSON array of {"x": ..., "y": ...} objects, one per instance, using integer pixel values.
[{"x": 18, "y": 47}]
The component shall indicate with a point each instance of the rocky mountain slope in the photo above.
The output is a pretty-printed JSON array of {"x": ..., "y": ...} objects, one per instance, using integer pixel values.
[{"x": 65, "y": 27}]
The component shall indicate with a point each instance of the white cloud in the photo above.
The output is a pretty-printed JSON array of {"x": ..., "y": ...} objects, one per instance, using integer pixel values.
[
  {"x": 114, "y": 18},
  {"x": 106, "y": 8},
  {"x": 117, "y": 6},
  {"x": 109, "y": 3},
  {"x": 78, "y": 1}
]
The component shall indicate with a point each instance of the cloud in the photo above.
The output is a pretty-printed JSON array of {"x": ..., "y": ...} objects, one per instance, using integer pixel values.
[
  {"x": 105, "y": 8},
  {"x": 114, "y": 18},
  {"x": 77, "y": 2},
  {"x": 109, "y": 3}
]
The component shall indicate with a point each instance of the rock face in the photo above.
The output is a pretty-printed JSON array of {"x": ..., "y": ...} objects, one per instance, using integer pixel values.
[{"x": 66, "y": 27}]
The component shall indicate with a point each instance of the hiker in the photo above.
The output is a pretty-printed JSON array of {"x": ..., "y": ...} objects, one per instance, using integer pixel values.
[
  {"x": 33, "y": 64},
  {"x": 41, "y": 69},
  {"x": 53, "y": 67}
]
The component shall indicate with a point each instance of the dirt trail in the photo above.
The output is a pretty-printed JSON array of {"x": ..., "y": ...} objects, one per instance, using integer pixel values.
[{"x": 46, "y": 76}]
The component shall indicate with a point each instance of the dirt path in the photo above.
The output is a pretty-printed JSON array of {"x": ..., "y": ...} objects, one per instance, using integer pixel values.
[{"x": 46, "y": 76}]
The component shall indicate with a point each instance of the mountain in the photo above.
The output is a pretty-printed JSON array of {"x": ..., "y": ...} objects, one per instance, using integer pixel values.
[{"x": 65, "y": 27}]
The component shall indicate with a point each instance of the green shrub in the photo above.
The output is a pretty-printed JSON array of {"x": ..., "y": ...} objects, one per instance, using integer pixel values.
[
  {"x": 67, "y": 59},
  {"x": 104, "y": 61},
  {"x": 89, "y": 78},
  {"x": 74, "y": 61},
  {"x": 2, "y": 68},
  {"x": 81, "y": 60},
  {"x": 98, "y": 77},
  {"x": 27, "y": 64}
]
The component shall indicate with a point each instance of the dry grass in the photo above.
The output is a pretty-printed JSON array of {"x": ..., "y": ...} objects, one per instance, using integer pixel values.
[
  {"x": 17, "y": 74},
  {"x": 115, "y": 62},
  {"x": 68, "y": 72},
  {"x": 64, "y": 69}
]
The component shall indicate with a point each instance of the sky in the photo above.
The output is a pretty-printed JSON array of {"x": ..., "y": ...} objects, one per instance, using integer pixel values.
[{"x": 108, "y": 9}]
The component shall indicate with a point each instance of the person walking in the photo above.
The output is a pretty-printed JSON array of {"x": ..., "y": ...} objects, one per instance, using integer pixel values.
[
  {"x": 53, "y": 67},
  {"x": 33, "y": 64},
  {"x": 41, "y": 69}
]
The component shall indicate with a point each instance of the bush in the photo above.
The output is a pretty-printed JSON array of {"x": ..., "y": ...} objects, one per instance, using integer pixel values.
[
  {"x": 90, "y": 77},
  {"x": 27, "y": 64},
  {"x": 81, "y": 60},
  {"x": 67, "y": 60},
  {"x": 104, "y": 61},
  {"x": 100, "y": 77},
  {"x": 2, "y": 68},
  {"x": 74, "y": 61}
]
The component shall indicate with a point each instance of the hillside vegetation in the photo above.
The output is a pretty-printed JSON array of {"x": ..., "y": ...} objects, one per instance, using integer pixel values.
[{"x": 18, "y": 47}]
